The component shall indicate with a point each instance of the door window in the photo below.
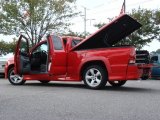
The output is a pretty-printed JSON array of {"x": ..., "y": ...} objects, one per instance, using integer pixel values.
[
  {"x": 39, "y": 58},
  {"x": 42, "y": 47},
  {"x": 22, "y": 61},
  {"x": 23, "y": 47},
  {"x": 57, "y": 43},
  {"x": 40, "y": 54}
]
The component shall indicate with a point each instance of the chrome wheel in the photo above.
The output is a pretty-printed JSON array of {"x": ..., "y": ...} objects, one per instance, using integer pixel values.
[
  {"x": 95, "y": 77},
  {"x": 15, "y": 79}
]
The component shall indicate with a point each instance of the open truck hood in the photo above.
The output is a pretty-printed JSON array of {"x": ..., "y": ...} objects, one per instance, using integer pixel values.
[{"x": 110, "y": 34}]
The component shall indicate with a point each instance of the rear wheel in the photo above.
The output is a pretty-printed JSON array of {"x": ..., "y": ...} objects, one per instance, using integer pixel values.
[
  {"x": 95, "y": 77},
  {"x": 117, "y": 83},
  {"x": 145, "y": 77},
  {"x": 15, "y": 79}
]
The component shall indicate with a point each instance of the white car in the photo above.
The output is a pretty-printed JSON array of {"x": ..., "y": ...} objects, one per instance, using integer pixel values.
[{"x": 3, "y": 60}]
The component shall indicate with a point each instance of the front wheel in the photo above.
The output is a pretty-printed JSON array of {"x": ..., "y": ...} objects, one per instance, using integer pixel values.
[
  {"x": 95, "y": 77},
  {"x": 15, "y": 79},
  {"x": 117, "y": 83}
]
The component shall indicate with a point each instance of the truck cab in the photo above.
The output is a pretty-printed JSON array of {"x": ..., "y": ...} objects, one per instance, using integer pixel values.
[{"x": 48, "y": 58}]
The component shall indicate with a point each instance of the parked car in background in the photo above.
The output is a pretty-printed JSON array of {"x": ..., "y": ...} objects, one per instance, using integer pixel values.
[
  {"x": 3, "y": 59},
  {"x": 155, "y": 71}
]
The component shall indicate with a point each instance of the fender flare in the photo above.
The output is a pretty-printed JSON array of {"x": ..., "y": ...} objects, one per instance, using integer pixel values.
[{"x": 92, "y": 59}]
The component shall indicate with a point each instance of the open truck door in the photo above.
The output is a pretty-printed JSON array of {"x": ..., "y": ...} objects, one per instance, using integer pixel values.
[{"x": 21, "y": 58}]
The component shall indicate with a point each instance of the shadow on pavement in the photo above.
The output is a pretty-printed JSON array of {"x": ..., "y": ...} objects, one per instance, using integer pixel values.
[
  {"x": 130, "y": 89},
  {"x": 107, "y": 88},
  {"x": 73, "y": 85}
]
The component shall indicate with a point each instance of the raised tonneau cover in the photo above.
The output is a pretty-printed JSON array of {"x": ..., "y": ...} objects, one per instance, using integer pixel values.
[{"x": 110, "y": 34}]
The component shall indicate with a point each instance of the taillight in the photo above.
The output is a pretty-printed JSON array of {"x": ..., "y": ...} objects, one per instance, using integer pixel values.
[{"x": 132, "y": 61}]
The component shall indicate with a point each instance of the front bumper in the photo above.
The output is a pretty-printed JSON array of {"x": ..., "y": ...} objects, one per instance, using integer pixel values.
[{"x": 2, "y": 67}]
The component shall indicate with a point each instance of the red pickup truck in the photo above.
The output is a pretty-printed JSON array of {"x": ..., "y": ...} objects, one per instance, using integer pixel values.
[{"x": 95, "y": 60}]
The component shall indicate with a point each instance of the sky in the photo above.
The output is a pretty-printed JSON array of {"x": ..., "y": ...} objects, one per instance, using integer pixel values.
[{"x": 100, "y": 10}]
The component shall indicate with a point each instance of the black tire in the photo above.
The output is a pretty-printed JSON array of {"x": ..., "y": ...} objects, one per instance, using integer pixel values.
[
  {"x": 117, "y": 83},
  {"x": 145, "y": 77},
  {"x": 95, "y": 77},
  {"x": 15, "y": 79},
  {"x": 44, "y": 81}
]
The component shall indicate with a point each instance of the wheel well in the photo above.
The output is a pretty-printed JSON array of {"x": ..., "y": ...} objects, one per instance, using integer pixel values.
[{"x": 99, "y": 63}]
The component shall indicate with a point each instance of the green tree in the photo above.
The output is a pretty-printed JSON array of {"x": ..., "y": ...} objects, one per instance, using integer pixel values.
[
  {"x": 34, "y": 18},
  {"x": 99, "y": 25},
  {"x": 6, "y": 47},
  {"x": 76, "y": 34},
  {"x": 156, "y": 18},
  {"x": 11, "y": 46},
  {"x": 2, "y": 47},
  {"x": 147, "y": 32}
]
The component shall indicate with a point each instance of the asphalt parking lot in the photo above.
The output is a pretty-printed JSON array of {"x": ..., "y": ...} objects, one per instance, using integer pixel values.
[{"x": 137, "y": 100}]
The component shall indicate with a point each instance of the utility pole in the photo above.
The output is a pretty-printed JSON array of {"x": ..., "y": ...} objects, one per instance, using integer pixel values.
[
  {"x": 85, "y": 20},
  {"x": 124, "y": 6}
]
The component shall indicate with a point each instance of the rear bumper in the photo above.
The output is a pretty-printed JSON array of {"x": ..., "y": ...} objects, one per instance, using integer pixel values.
[
  {"x": 146, "y": 68},
  {"x": 134, "y": 72}
]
